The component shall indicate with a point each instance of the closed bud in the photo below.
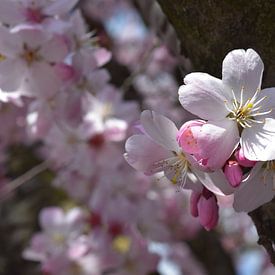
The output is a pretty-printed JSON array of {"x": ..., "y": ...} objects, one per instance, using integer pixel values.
[
  {"x": 208, "y": 211},
  {"x": 233, "y": 173}
]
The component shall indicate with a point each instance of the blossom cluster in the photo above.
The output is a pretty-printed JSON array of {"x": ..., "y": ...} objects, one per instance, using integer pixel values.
[
  {"x": 227, "y": 151},
  {"x": 56, "y": 91}
]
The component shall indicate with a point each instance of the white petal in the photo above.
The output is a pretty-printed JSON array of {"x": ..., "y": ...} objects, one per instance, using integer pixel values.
[
  {"x": 268, "y": 103},
  {"x": 10, "y": 44},
  {"x": 33, "y": 36},
  {"x": 258, "y": 141},
  {"x": 204, "y": 96},
  {"x": 59, "y": 7},
  {"x": 243, "y": 69},
  {"x": 41, "y": 81},
  {"x": 10, "y": 12},
  {"x": 160, "y": 129},
  {"x": 254, "y": 193},
  {"x": 215, "y": 182},
  {"x": 51, "y": 218},
  {"x": 55, "y": 50},
  {"x": 142, "y": 153},
  {"x": 217, "y": 140},
  {"x": 12, "y": 73}
]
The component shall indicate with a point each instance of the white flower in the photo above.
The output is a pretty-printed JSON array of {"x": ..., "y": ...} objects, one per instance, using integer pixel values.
[{"x": 235, "y": 108}]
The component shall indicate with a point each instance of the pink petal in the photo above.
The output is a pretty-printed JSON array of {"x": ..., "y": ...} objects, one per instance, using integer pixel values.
[
  {"x": 142, "y": 154},
  {"x": 217, "y": 141},
  {"x": 160, "y": 129}
]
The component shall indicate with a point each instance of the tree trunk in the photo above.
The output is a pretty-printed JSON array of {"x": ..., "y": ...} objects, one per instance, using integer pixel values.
[{"x": 209, "y": 29}]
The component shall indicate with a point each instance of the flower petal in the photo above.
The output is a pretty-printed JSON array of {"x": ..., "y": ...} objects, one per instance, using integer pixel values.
[
  {"x": 142, "y": 154},
  {"x": 160, "y": 129},
  {"x": 254, "y": 193},
  {"x": 268, "y": 103},
  {"x": 204, "y": 96},
  {"x": 11, "y": 12},
  {"x": 258, "y": 141},
  {"x": 215, "y": 182},
  {"x": 51, "y": 218},
  {"x": 242, "y": 69},
  {"x": 60, "y": 7},
  {"x": 12, "y": 72},
  {"x": 217, "y": 140}
]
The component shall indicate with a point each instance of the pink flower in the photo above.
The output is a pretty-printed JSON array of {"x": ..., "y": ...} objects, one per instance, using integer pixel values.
[
  {"x": 157, "y": 150},
  {"x": 29, "y": 53},
  {"x": 32, "y": 11}
]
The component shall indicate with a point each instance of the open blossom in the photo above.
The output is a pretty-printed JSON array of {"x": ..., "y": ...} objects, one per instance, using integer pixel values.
[
  {"x": 157, "y": 150},
  {"x": 28, "y": 54},
  {"x": 235, "y": 108},
  {"x": 58, "y": 229},
  {"x": 257, "y": 189},
  {"x": 32, "y": 11}
]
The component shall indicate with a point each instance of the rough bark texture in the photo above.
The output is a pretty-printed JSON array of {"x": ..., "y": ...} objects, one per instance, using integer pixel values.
[
  {"x": 208, "y": 30},
  {"x": 208, "y": 250}
]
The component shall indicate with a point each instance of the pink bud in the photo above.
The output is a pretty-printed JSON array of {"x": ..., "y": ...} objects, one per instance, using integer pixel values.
[
  {"x": 208, "y": 211},
  {"x": 187, "y": 136},
  {"x": 233, "y": 173},
  {"x": 242, "y": 160},
  {"x": 194, "y": 199}
]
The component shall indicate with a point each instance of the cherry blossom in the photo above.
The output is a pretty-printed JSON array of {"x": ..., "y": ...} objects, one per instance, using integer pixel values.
[
  {"x": 158, "y": 150},
  {"x": 234, "y": 108}
]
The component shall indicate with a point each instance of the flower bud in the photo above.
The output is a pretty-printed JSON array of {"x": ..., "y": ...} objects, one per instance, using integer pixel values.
[
  {"x": 187, "y": 136},
  {"x": 233, "y": 173},
  {"x": 242, "y": 160},
  {"x": 208, "y": 211}
]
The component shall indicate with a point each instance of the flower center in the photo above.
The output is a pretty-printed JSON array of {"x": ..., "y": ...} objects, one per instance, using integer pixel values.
[
  {"x": 176, "y": 168},
  {"x": 246, "y": 113},
  {"x": 30, "y": 55}
]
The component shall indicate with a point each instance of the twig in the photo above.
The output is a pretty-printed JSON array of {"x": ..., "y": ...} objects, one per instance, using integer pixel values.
[{"x": 33, "y": 172}]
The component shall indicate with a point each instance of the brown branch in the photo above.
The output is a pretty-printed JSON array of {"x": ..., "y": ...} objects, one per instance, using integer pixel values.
[
  {"x": 208, "y": 29},
  {"x": 264, "y": 220},
  {"x": 208, "y": 250}
]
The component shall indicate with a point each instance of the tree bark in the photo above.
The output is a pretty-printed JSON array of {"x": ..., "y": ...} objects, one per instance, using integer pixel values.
[{"x": 208, "y": 30}]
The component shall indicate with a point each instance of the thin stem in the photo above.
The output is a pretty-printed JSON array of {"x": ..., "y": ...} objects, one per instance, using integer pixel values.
[{"x": 33, "y": 172}]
